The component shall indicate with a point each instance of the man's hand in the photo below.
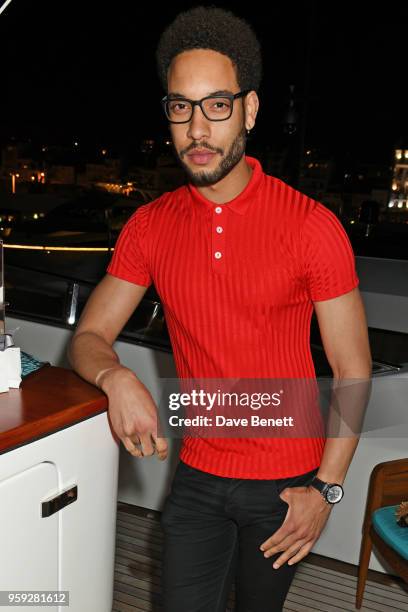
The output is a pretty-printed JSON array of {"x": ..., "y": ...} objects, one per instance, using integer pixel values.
[
  {"x": 133, "y": 413},
  {"x": 303, "y": 524}
]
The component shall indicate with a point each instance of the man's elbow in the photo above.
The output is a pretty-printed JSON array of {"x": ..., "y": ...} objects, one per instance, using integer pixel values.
[
  {"x": 353, "y": 368},
  {"x": 71, "y": 348},
  {"x": 77, "y": 344}
]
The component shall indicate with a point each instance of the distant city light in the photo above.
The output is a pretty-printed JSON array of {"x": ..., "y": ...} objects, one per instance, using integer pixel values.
[
  {"x": 35, "y": 216},
  {"x": 76, "y": 144},
  {"x": 104, "y": 151},
  {"x": 13, "y": 183},
  {"x": 48, "y": 249},
  {"x": 391, "y": 205}
]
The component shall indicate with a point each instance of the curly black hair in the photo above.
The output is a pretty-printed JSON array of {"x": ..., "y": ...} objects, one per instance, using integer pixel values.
[{"x": 210, "y": 27}]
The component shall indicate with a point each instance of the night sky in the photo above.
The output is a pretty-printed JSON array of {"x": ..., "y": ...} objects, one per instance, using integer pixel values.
[{"x": 69, "y": 72}]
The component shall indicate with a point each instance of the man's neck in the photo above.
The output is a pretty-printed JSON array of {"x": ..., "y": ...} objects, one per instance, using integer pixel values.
[{"x": 230, "y": 186}]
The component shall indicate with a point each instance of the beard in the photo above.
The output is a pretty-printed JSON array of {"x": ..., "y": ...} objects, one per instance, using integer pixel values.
[{"x": 227, "y": 163}]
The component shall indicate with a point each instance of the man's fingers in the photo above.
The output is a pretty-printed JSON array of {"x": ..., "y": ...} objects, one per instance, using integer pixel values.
[
  {"x": 131, "y": 446},
  {"x": 276, "y": 540},
  {"x": 147, "y": 445},
  {"x": 294, "y": 554},
  {"x": 283, "y": 545},
  {"x": 161, "y": 447},
  {"x": 304, "y": 550}
]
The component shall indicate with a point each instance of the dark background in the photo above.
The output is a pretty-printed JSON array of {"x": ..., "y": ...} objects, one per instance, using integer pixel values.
[{"x": 86, "y": 71}]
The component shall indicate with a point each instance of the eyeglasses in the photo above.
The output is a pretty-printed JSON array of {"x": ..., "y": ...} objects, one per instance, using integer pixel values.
[{"x": 214, "y": 108}]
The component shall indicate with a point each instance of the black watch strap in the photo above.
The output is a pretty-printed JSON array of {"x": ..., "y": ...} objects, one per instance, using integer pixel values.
[
  {"x": 323, "y": 488},
  {"x": 320, "y": 485}
]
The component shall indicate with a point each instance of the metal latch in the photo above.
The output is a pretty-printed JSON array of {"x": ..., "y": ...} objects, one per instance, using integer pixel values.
[{"x": 50, "y": 506}]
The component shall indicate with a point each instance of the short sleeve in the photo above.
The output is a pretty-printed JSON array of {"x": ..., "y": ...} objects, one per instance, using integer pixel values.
[
  {"x": 129, "y": 260},
  {"x": 328, "y": 260}
]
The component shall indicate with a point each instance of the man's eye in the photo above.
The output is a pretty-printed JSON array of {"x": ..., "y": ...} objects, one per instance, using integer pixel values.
[
  {"x": 220, "y": 105},
  {"x": 178, "y": 107}
]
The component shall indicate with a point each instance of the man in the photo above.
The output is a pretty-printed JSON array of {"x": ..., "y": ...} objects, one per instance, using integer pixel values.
[{"x": 239, "y": 260}]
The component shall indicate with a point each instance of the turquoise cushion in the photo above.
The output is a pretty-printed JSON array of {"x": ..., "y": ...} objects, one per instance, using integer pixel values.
[
  {"x": 385, "y": 524},
  {"x": 30, "y": 364}
]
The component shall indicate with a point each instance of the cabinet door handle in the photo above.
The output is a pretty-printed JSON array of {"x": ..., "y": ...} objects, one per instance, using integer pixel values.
[{"x": 60, "y": 501}]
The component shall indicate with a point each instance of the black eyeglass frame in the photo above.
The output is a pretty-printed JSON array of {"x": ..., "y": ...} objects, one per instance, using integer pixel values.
[{"x": 199, "y": 103}]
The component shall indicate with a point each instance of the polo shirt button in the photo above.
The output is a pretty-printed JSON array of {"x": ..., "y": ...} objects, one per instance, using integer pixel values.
[
  {"x": 218, "y": 209},
  {"x": 217, "y": 255},
  {"x": 219, "y": 229}
]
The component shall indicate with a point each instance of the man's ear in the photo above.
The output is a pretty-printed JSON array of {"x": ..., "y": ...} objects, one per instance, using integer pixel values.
[{"x": 251, "y": 109}]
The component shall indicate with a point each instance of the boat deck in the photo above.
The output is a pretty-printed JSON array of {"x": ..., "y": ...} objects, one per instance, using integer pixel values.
[{"x": 319, "y": 585}]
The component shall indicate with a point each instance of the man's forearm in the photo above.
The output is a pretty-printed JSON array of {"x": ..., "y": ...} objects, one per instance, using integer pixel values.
[
  {"x": 349, "y": 401},
  {"x": 337, "y": 456},
  {"x": 90, "y": 356}
]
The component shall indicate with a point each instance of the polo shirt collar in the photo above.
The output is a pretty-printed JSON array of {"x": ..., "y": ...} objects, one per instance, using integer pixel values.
[{"x": 241, "y": 202}]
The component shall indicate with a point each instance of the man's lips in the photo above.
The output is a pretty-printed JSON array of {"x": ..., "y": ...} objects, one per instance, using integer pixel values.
[{"x": 201, "y": 157}]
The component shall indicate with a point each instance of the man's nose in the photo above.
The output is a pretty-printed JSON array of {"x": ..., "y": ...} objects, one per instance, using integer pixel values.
[{"x": 199, "y": 126}]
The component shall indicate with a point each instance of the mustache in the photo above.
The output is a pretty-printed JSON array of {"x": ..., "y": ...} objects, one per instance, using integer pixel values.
[{"x": 202, "y": 145}]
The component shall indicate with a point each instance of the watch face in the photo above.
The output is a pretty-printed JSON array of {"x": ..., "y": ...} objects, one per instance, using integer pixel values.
[{"x": 334, "y": 494}]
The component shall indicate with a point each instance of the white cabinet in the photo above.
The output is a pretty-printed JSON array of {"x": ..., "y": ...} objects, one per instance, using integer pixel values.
[
  {"x": 73, "y": 549},
  {"x": 29, "y": 543}
]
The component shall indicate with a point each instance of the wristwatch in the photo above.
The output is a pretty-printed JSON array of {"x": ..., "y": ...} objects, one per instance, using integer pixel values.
[{"x": 332, "y": 493}]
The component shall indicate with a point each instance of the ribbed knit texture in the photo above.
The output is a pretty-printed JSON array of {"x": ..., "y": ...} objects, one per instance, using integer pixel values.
[{"x": 246, "y": 313}]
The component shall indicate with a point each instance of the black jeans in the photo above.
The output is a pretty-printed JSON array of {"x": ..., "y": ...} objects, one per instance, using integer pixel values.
[{"x": 213, "y": 527}]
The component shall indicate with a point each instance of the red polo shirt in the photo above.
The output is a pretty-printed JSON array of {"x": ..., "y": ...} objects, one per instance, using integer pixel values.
[{"x": 237, "y": 283}]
